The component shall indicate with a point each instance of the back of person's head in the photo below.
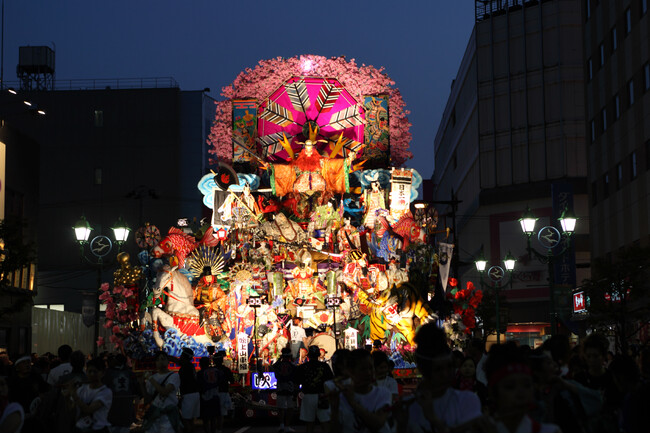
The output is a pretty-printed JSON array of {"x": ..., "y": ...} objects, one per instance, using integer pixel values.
[
  {"x": 64, "y": 352},
  {"x": 97, "y": 363},
  {"x": 119, "y": 359},
  {"x": 431, "y": 343},
  {"x": 559, "y": 347},
  {"x": 77, "y": 360},
  {"x": 625, "y": 371},
  {"x": 204, "y": 362},
  {"x": 596, "y": 341},
  {"x": 356, "y": 356},
  {"x": 218, "y": 357},
  {"x": 503, "y": 359},
  {"x": 379, "y": 357},
  {"x": 313, "y": 352},
  {"x": 340, "y": 361}
]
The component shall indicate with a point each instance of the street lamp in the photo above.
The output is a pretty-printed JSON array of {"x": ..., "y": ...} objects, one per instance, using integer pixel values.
[
  {"x": 496, "y": 274},
  {"x": 99, "y": 246},
  {"x": 549, "y": 237}
]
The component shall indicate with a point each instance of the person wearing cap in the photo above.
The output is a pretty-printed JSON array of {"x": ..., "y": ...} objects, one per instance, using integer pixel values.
[
  {"x": 312, "y": 377},
  {"x": 285, "y": 370},
  {"x": 189, "y": 389},
  {"x": 25, "y": 386}
]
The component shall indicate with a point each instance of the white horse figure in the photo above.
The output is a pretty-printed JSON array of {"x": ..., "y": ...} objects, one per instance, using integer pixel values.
[{"x": 179, "y": 312}]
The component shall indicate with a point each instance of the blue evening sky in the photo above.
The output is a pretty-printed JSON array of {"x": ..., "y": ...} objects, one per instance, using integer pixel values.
[{"x": 206, "y": 43}]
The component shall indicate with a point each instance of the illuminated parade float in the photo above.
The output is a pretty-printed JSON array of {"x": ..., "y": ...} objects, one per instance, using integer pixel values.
[{"x": 312, "y": 217}]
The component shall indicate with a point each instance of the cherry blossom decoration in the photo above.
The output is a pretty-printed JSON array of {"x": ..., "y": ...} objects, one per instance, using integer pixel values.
[{"x": 265, "y": 78}]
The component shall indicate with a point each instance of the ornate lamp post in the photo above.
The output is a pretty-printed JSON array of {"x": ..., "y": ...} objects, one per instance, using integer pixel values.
[
  {"x": 549, "y": 237},
  {"x": 496, "y": 274},
  {"x": 100, "y": 246}
]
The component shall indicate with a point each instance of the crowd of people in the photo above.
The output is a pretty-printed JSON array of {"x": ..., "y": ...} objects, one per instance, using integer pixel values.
[{"x": 557, "y": 387}]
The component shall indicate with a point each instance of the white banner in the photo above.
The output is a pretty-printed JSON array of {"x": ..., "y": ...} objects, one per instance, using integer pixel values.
[
  {"x": 351, "y": 338},
  {"x": 445, "y": 252},
  {"x": 242, "y": 352},
  {"x": 400, "y": 192}
]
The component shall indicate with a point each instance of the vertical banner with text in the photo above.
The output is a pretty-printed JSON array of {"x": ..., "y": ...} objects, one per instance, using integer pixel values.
[{"x": 242, "y": 353}]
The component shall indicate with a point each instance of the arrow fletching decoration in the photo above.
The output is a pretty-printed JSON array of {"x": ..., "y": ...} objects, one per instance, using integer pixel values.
[
  {"x": 327, "y": 97},
  {"x": 276, "y": 114},
  {"x": 240, "y": 143},
  {"x": 297, "y": 92},
  {"x": 346, "y": 118},
  {"x": 271, "y": 143}
]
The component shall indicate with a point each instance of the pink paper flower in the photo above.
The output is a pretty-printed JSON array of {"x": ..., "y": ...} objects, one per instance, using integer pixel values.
[
  {"x": 116, "y": 329},
  {"x": 110, "y": 313},
  {"x": 127, "y": 292},
  {"x": 100, "y": 341},
  {"x": 108, "y": 324},
  {"x": 104, "y": 286},
  {"x": 118, "y": 289}
]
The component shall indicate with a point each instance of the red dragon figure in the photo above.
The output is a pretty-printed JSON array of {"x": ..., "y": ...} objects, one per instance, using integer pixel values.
[{"x": 180, "y": 244}]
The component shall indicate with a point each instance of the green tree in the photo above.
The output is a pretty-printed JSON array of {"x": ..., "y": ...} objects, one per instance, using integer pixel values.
[{"x": 618, "y": 293}]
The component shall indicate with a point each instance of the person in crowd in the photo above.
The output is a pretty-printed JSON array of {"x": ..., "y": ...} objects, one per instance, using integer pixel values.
[
  {"x": 64, "y": 367},
  {"x": 12, "y": 415},
  {"x": 361, "y": 406},
  {"x": 77, "y": 375},
  {"x": 476, "y": 350},
  {"x": 563, "y": 402},
  {"x": 190, "y": 397},
  {"x": 376, "y": 345},
  {"x": 512, "y": 390},
  {"x": 311, "y": 375},
  {"x": 208, "y": 381},
  {"x": 93, "y": 399},
  {"x": 435, "y": 404},
  {"x": 225, "y": 380},
  {"x": 26, "y": 388},
  {"x": 302, "y": 356},
  {"x": 298, "y": 336},
  {"x": 383, "y": 368},
  {"x": 161, "y": 389},
  {"x": 459, "y": 358},
  {"x": 596, "y": 376},
  {"x": 632, "y": 415},
  {"x": 285, "y": 370},
  {"x": 340, "y": 365},
  {"x": 559, "y": 348},
  {"x": 125, "y": 387},
  {"x": 466, "y": 380},
  {"x": 6, "y": 364},
  {"x": 42, "y": 367}
]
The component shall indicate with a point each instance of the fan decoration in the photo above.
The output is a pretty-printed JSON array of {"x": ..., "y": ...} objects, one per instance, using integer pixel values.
[
  {"x": 147, "y": 236},
  {"x": 206, "y": 256},
  {"x": 304, "y": 104},
  {"x": 293, "y": 91}
]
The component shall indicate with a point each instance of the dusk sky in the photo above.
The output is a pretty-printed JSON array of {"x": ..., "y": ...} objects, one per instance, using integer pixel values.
[{"x": 206, "y": 43}]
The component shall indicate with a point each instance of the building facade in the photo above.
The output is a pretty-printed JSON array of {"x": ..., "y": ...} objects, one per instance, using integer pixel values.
[
  {"x": 108, "y": 153},
  {"x": 511, "y": 137},
  {"x": 617, "y": 75}
]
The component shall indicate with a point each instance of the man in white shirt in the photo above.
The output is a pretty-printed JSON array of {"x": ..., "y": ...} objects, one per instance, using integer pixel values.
[
  {"x": 64, "y": 368},
  {"x": 297, "y": 337}
]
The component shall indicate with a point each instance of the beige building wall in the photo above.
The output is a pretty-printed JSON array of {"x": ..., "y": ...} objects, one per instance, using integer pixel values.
[{"x": 616, "y": 51}]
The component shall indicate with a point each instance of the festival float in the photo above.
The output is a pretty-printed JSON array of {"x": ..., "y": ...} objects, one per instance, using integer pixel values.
[{"x": 312, "y": 217}]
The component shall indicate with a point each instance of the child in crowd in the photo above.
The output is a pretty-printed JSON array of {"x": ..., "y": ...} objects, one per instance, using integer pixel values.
[
  {"x": 93, "y": 400},
  {"x": 383, "y": 368}
]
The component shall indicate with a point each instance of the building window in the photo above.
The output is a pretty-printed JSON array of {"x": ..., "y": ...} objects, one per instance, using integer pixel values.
[
  {"x": 605, "y": 185},
  {"x": 628, "y": 21},
  {"x": 646, "y": 70},
  {"x": 630, "y": 92},
  {"x": 604, "y": 119},
  {"x": 633, "y": 172},
  {"x": 602, "y": 54},
  {"x": 617, "y": 107},
  {"x": 99, "y": 118},
  {"x": 593, "y": 131},
  {"x": 619, "y": 176},
  {"x": 590, "y": 69},
  {"x": 614, "y": 39}
]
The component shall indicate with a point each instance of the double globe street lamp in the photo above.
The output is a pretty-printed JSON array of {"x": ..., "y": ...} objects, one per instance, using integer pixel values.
[
  {"x": 496, "y": 274},
  {"x": 100, "y": 246},
  {"x": 550, "y": 238}
]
